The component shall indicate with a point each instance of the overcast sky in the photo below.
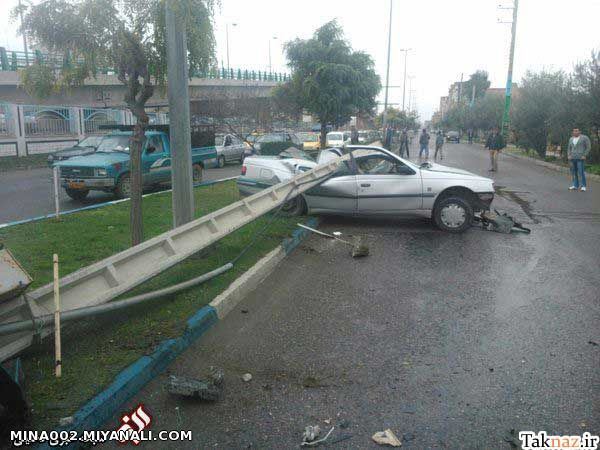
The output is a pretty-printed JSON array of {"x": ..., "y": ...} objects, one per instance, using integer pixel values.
[{"x": 448, "y": 37}]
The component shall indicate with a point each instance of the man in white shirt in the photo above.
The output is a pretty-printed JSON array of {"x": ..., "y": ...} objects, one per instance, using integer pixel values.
[{"x": 578, "y": 149}]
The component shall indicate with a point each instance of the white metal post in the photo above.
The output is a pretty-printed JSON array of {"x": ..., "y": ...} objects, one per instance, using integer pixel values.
[{"x": 56, "y": 184}]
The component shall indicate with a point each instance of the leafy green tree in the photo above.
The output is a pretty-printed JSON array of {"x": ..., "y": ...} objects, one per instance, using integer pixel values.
[
  {"x": 329, "y": 79},
  {"x": 399, "y": 119},
  {"x": 543, "y": 110},
  {"x": 479, "y": 79},
  {"x": 586, "y": 89},
  {"x": 128, "y": 36}
]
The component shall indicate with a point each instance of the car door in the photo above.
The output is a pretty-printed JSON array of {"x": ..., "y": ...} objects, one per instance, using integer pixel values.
[
  {"x": 338, "y": 195},
  {"x": 228, "y": 147},
  {"x": 385, "y": 185},
  {"x": 237, "y": 149},
  {"x": 156, "y": 161}
]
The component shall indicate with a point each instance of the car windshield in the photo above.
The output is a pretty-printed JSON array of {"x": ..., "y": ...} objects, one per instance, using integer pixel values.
[
  {"x": 219, "y": 138},
  {"x": 293, "y": 152},
  {"x": 335, "y": 137},
  {"x": 114, "y": 144},
  {"x": 91, "y": 141},
  {"x": 309, "y": 137}
]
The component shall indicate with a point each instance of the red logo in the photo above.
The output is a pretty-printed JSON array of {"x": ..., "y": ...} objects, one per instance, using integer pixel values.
[{"x": 134, "y": 422}]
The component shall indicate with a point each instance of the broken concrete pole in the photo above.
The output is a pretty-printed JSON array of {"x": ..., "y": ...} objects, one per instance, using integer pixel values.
[{"x": 202, "y": 389}]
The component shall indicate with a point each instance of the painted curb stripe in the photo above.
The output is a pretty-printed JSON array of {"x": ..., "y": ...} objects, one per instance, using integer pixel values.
[
  {"x": 132, "y": 379},
  {"x": 101, "y": 205}
]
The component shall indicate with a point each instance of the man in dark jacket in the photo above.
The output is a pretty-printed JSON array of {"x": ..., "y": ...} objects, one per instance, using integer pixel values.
[
  {"x": 495, "y": 143},
  {"x": 389, "y": 134},
  {"x": 404, "y": 144},
  {"x": 353, "y": 135},
  {"x": 424, "y": 144}
]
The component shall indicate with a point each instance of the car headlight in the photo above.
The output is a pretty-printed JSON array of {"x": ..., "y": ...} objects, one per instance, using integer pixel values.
[{"x": 101, "y": 172}]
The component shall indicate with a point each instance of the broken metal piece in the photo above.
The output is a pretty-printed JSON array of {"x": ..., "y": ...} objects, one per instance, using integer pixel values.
[
  {"x": 210, "y": 389},
  {"x": 311, "y": 433},
  {"x": 386, "y": 437}
]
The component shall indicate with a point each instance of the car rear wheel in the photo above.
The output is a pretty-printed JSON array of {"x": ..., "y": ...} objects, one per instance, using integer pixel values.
[
  {"x": 197, "y": 173},
  {"x": 123, "y": 189},
  {"x": 77, "y": 194},
  {"x": 221, "y": 162},
  {"x": 453, "y": 214},
  {"x": 294, "y": 207}
]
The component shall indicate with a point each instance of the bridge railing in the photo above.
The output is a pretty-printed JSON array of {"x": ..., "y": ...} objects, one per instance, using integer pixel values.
[{"x": 12, "y": 61}]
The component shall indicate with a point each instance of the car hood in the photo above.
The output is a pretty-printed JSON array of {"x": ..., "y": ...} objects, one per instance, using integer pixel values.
[
  {"x": 95, "y": 160},
  {"x": 438, "y": 171},
  {"x": 74, "y": 151}
]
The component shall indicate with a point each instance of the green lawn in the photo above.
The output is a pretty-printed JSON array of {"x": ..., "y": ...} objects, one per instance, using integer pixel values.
[
  {"x": 94, "y": 351},
  {"x": 8, "y": 163}
]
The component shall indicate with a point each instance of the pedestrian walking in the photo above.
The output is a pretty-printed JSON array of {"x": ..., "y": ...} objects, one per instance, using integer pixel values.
[
  {"x": 353, "y": 135},
  {"x": 404, "y": 144},
  {"x": 424, "y": 144},
  {"x": 577, "y": 151},
  {"x": 470, "y": 135},
  {"x": 495, "y": 143},
  {"x": 387, "y": 142},
  {"x": 439, "y": 143}
]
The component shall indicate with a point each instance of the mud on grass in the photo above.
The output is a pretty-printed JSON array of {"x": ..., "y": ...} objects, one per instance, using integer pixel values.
[{"x": 95, "y": 350}]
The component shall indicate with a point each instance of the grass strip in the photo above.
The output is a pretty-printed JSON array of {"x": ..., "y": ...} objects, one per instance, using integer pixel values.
[{"x": 95, "y": 350}]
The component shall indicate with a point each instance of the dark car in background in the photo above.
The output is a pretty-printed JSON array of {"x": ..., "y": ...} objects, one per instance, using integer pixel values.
[
  {"x": 86, "y": 146},
  {"x": 453, "y": 136},
  {"x": 282, "y": 139}
]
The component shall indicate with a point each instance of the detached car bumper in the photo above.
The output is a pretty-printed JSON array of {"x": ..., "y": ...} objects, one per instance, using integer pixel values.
[{"x": 88, "y": 183}]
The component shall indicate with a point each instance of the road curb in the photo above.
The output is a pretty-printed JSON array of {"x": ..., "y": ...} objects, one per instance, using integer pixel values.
[
  {"x": 551, "y": 166},
  {"x": 101, "y": 205},
  {"x": 132, "y": 379}
]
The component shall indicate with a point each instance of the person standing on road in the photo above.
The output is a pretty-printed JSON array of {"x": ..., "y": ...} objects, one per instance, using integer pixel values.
[
  {"x": 495, "y": 143},
  {"x": 387, "y": 141},
  {"x": 353, "y": 135},
  {"x": 577, "y": 150},
  {"x": 470, "y": 135},
  {"x": 439, "y": 143},
  {"x": 404, "y": 144},
  {"x": 424, "y": 144}
]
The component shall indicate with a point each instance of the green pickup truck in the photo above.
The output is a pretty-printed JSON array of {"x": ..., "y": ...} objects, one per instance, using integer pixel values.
[{"x": 107, "y": 169}]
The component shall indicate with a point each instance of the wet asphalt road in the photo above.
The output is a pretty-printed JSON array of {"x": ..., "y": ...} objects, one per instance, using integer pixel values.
[
  {"x": 28, "y": 193},
  {"x": 452, "y": 341}
]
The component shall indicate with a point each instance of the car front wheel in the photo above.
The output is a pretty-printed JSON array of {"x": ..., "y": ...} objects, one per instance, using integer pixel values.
[
  {"x": 453, "y": 214},
  {"x": 294, "y": 207},
  {"x": 123, "y": 189}
]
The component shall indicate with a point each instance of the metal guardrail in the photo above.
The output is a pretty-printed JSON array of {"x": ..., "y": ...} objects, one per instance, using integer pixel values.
[
  {"x": 111, "y": 277},
  {"x": 14, "y": 60}
]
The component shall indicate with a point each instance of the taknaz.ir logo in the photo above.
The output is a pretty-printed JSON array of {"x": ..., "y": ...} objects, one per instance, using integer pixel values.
[{"x": 133, "y": 424}]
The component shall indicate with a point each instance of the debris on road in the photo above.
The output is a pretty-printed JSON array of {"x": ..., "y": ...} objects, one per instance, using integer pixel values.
[
  {"x": 502, "y": 223},
  {"x": 247, "y": 377},
  {"x": 311, "y": 433},
  {"x": 209, "y": 389},
  {"x": 595, "y": 344},
  {"x": 65, "y": 421},
  {"x": 386, "y": 437},
  {"x": 359, "y": 248}
]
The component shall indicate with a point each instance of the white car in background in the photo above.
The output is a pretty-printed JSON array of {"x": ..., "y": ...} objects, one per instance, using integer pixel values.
[
  {"x": 375, "y": 182},
  {"x": 337, "y": 138},
  {"x": 229, "y": 149}
]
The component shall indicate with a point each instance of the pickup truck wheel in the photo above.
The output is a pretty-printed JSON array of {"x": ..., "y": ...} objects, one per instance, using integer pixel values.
[
  {"x": 221, "y": 162},
  {"x": 453, "y": 214},
  {"x": 294, "y": 207},
  {"x": 123, "y": 189},
  {"x": 77, "y": 194},
  {"x": 197, "y": 173}
]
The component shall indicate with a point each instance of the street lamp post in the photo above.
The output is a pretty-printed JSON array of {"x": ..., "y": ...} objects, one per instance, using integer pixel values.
[
  {"x": 387, "y": 72},
  {"x": 227, "y": 41},
  {"x": 511, "y": 57},
  {"x": 405, "y": 50},
  {"x": 270, "y": 66}
]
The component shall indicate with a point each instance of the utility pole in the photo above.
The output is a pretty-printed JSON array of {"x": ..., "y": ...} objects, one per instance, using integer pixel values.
[
  {"x": 473, "y": 96},
  {"x": 271, "y": 67},
  {"x": 24, "y": 34},
  {"x": 179, "y": 113},
  {"x": 405, "y": 50},
  {"x": 387, "y": 74},
  {"x": 507, "y": 102}
]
